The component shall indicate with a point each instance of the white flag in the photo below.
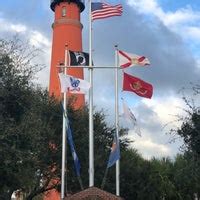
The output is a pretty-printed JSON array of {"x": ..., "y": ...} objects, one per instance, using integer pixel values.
[
  {"x": 129, "y": 116},
  {"x": 128, "y": 59},
  {"x": 73, "y": 85}
]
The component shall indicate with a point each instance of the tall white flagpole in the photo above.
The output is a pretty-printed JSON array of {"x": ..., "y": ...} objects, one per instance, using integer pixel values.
[
  {"x": 117, "y": 120},
  {"x": 91, "y": 134},
  {"x": 64, "y": 136}
]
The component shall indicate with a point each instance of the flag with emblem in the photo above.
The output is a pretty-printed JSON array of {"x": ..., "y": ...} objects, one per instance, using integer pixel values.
[
  {"x": 115, "y": 152},
  {"x": 103, "y": 10},
  {"x": 138, "y": 86},
  {"x": 72, "y": 84},
  {"x": 128, "y": 59},
  {"x": 78, "y": 58}
]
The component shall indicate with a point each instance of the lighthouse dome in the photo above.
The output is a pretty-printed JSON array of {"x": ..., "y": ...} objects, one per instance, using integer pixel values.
[{"x": 80, "y": 3}]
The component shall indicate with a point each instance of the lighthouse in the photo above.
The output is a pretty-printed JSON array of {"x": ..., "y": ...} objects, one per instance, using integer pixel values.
[{"x": 67, "y": 35}]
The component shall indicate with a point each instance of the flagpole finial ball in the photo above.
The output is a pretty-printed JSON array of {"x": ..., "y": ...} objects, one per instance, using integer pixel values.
[{"x": 80, "y": 3}]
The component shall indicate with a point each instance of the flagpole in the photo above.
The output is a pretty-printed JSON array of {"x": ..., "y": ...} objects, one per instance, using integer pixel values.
[
  {"x": 64, "y": 136},
  {"x": 87, "y": 67},
  {"x": 91, "y": 134},
  {"x": 117, "y": 121}
]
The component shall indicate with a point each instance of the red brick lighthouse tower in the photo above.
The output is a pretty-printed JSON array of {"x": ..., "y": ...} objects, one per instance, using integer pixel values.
[
  {"x": 67, "y": 34},
  {"x": 67, "y": 31}
]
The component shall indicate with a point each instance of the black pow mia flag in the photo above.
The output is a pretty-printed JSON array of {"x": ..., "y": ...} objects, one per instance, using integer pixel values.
[{"x": 78, "y": 58}]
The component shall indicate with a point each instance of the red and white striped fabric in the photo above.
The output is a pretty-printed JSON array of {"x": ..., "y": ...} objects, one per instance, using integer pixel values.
[
  {"x": 128, "y": 59},
  {"x": 103, "y": 10}
]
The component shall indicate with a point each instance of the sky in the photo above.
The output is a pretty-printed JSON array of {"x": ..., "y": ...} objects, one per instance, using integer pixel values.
[{"x": 167, "y": 32}]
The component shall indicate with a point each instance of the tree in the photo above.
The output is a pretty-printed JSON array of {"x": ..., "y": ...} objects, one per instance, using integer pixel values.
[
  {"x": 30, "y": 132},
  {"x": 187, "y": 166},
  {"x": 184, "y": 179},
  {"x": 27, "y": 118}
]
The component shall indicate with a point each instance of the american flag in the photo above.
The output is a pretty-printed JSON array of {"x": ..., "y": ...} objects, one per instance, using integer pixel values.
[{"x": 103, "y": 10}]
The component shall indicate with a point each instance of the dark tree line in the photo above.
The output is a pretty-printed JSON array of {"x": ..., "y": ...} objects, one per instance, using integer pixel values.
[{"x": 30, "y": 142}]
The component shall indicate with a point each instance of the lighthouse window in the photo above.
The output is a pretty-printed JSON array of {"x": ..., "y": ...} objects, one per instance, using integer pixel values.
[{"x": 63, "y": 11}]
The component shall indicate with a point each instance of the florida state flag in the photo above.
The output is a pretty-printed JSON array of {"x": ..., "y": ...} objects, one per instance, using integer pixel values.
[
  {"x": 140, "y": 87},
  {"x": 129, "y": 59}
]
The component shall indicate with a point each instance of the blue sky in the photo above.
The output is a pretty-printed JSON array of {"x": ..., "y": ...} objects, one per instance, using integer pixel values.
[
  {"x": 166, "y": 31},
  {"x": 171, "y": 5}
]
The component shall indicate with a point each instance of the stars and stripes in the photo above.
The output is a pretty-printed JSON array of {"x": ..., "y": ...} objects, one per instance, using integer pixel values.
[{"x": 104, "y": 10}]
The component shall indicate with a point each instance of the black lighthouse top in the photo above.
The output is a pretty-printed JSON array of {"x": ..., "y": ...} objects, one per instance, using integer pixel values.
[{"x": 80, "y": 3}]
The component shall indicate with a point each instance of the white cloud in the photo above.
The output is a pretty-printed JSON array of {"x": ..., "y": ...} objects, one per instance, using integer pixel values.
[
  {"x": 39, "y": 40},
  {"x": 35, "y": 38},
  {"x": 149, "y": 148},
  {"x": 152, "y": 116},
  {"x": 166, "y": 108},
  {"x": 145, "y": 6},
  {"x": 7, "y": 26},
  {"x": 198, "y": 64},
  {"x": 193, "y": 32},
  {"x": 18, "y": 28},
  {"x": 178, "y": 21},
  {"x": 181, "y": 16}
]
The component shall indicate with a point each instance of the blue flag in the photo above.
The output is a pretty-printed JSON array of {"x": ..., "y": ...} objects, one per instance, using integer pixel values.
[
  {"x": 71, "y": 143},
  {"x": 74, "y": 155},
  {"x": 115, "y": 152}
]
